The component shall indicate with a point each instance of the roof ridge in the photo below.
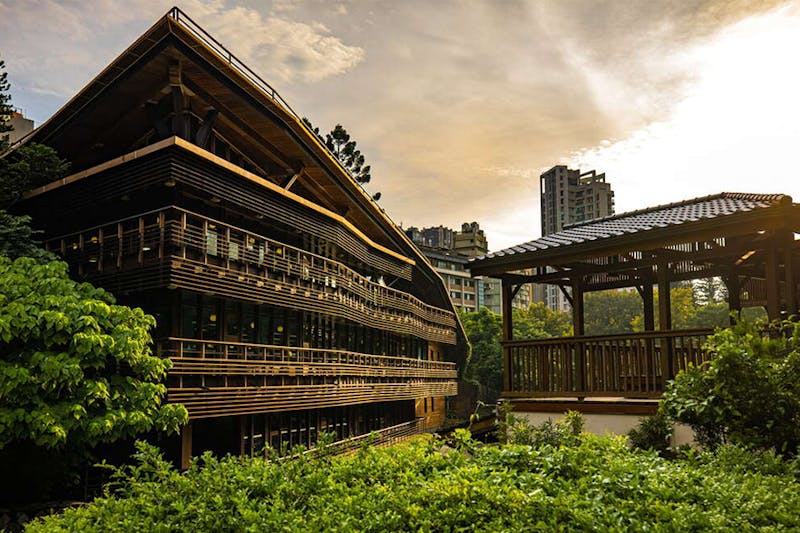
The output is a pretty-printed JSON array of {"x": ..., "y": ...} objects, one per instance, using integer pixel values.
[{"x": 736, "y": 195}]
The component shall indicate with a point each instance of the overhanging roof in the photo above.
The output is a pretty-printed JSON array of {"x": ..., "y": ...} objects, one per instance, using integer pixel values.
[{"x": 650, "y": 227}]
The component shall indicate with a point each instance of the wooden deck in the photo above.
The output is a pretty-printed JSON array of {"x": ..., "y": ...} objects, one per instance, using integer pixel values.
[{"x": 627, "y": 366}]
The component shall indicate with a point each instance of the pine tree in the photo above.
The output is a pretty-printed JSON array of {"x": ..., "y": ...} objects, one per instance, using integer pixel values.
[
  {"x": 6, "y": 110},
  {"x": 340, "y": 144}
]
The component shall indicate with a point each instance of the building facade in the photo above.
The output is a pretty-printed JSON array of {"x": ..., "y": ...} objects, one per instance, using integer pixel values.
[
  {"x": 287, "y": 301},
  {"x": 567, "y": 197},
  {"x": 467, "y": 293}
]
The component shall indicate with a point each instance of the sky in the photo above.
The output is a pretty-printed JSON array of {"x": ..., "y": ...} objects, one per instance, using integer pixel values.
[{"x": 459, "y": 106}]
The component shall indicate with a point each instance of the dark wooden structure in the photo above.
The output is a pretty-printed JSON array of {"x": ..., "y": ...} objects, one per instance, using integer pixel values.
[
  {"x": 288, "y": 301},
  {"x": 749, "y": 240}
]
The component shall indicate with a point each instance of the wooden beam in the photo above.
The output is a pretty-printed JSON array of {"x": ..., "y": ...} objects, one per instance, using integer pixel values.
[
  {"x": 664, "y": 307},
  {"x": 732, "y": 283},
  {"x": 204, "y": 133},
  {"x": 507, "y": 297}
]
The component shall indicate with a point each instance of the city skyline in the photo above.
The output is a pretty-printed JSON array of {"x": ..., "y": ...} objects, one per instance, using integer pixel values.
[{"x": 460, "y": 110}]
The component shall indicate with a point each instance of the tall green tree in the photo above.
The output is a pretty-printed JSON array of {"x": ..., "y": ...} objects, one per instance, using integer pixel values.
[
  {"x": 6, "y": 111},
  {"x": 485, "y": 366},
  {"x": 31, "y": 165},
  {"x": 539, "y": 321}
]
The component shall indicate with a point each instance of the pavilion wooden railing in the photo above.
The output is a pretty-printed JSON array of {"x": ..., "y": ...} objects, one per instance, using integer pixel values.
[
  {"x": 212, "y": 378},
  {"x": 380, "y": 437},
  {"x": 629, "y": 365}
]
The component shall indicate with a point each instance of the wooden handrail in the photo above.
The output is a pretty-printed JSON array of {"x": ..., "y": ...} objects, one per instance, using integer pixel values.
[{"x": 656, "y": 334}]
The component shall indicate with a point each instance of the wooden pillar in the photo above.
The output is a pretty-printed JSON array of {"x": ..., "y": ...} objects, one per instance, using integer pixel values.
[
  {"x": 508, "y": 321},
  {"x": 508, "y": 333},
  {"x": 648, "y": 301},
  {"x": 734, "y": 293},
  {"x": 664, "y": 307},
  {"x": 578, "y": 331},
  {"x": 664, "y": 321},
  {"x": 186, "y": 445},
  {"x": 577, "y": 307},
  {"x": 773, "y": 280},
  {"x": 788, "y": 272}
]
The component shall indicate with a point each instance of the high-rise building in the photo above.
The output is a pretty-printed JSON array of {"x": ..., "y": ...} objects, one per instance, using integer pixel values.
[{"x": 568, "y": 197}]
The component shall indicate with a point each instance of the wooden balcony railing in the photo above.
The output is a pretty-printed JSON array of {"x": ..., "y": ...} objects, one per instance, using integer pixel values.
[
  {"x": 212, "y": 378},
  {"x": 629, "y": 365},
  {"x": 175, "y": 247}
]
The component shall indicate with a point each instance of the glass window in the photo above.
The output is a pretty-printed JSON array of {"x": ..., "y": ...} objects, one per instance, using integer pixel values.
[{"x": 211, "y": 242}]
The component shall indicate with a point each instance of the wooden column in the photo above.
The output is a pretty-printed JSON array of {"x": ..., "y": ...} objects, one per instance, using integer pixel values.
[
  {"x": 577, "y": 307},
  {"x": 648, "y": 301},
  {"x": 664, "y": 307},
  {"x": 788, "y": 273},
  {"x": 508, "y": 321},
  {"x": 773, "y": 280},
  {"x": 578, "y": 331},
  {"x": 664, "y": 321},
  {"x": 734, "y": 293},
  {"x": 508, "y": 332},
  {"x": 186, "y": 445}
]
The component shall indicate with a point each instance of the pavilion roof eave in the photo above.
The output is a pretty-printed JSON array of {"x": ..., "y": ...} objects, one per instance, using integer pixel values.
[{"x": 645, "y": 240}]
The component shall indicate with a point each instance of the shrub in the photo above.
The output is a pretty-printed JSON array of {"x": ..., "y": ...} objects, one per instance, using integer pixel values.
[
  {"x": 596, "y": 484},
  {"x": 748, "y": 393},
  {"x": 652, "y": 433}
]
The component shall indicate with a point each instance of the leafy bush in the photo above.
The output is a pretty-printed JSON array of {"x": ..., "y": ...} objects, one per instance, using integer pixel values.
[
  {"x": 597, "y": 484},
  {"x": 74, "y": 367},
  {"x": 517, "y": 430},
  {"x": 748, "y": 393},
  {"x": 652, "y": 433}
]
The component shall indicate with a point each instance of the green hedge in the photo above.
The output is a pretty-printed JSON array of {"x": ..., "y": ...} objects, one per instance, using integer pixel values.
[{"x": 595, "y": 484}]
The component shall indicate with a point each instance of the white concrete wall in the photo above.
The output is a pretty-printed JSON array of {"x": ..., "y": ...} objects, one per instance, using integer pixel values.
[{"x": 615, "y": 424}]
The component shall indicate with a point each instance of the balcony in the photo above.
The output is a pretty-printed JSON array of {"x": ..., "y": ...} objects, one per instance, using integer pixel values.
[
  {"x": 178, "y": 249},
  {"x": 633, "y": 365},
  {"x": 212, "y": 378}
]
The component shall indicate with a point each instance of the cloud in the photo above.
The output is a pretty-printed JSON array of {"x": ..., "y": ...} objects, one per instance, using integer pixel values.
[{"x": 278, "y": 47}]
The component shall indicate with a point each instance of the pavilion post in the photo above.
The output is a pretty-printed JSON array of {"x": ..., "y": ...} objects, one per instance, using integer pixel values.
[
  {"x": 788, "y": 270},
  {"x": 648, "y": 302},
  {"x": 664, "y": 320},
  {"x": 508, "y": 332},
  {"x": 578, "y": 331},
  {"x": 734, "y": 293},
  {"x": 772, "y": 279}
]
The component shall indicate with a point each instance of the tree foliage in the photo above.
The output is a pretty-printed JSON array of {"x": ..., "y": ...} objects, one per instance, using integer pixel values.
[
  {"x": 6, "y": 111},
  {"x": 17, "y": 239},
  {"x": 609, "y": 312},
  {"x": 29, "y": 166},
  {"x": 484, "y": 331},
  {"x": 341, "y": 145},
  {"x": 73, "y": 365},
  {"x": 748, "y": 393}
]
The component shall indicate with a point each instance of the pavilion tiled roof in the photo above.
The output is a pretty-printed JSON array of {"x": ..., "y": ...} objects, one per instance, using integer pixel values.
[{"x": 662, "y": 216}]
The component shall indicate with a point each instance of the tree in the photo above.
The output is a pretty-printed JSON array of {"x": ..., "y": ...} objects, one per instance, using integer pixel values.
[
  {"x": 748, "y": 393},
  {"x": 17, "y": 239},
  {"x": 485, "y": 366},
  {"x": 709, "y": 291},
  {"x": 610, "y": 312},
  {"x": 73, "y": 365},
  {"x": 340, "y": 144},
  {"x": 31, "y": 165},
  {"x": 538, "y": 321},
  {"x": 6, "y": 111}
]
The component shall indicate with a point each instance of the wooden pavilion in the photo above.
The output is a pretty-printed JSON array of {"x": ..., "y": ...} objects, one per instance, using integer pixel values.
[{"x": 749, "y": 240}]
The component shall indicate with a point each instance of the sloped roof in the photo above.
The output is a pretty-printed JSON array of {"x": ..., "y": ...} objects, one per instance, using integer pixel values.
[{"x": 672, "y": 215}]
